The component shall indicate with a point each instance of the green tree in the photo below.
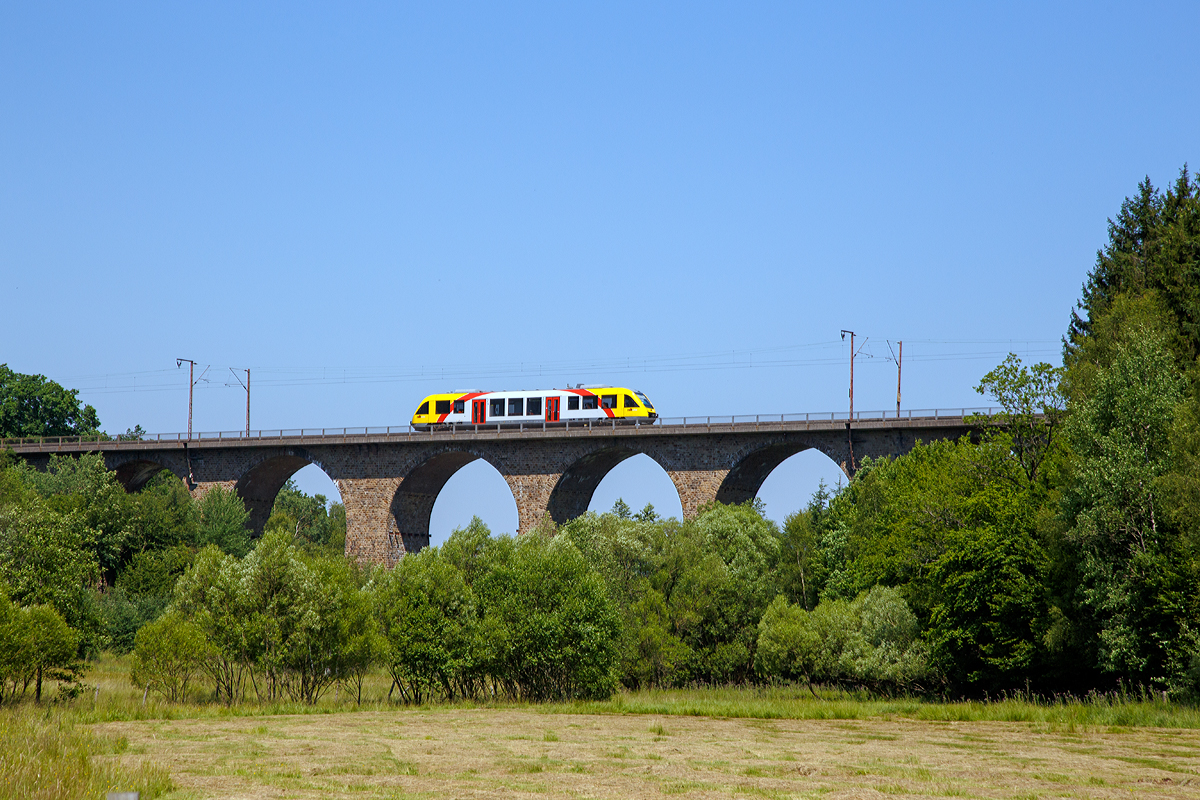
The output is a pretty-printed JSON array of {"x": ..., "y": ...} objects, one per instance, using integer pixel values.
[
  {"x": 167, "y": 655},
  {"x": 953, "y": 526},
  {"x": 83, "y": 485},
  {"x": 49, "y": 558},
  {"x": 799, "y": 549},
  {"x": 1153, "y": 250},
  {"x": 52, "y": 647},
  {"x": 426, "y": 617},
  {"x": 1129, "y": 561},
  {"x": 32, "y": 405},
  {"x": 222, "y": 521},
  {"x": 213, "y": 595},
  {"x": 871, "y": 641},
  {"x": 1033, "y": 403},
  {"x": 548, "y": 626},
  {"x": 306, "y": 517},
  {"x": 621, "y": 509},
  {"x": 163, "y": 515}
]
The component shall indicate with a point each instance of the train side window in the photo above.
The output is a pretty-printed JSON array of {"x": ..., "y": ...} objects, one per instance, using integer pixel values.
[
  {"x": 608, "y": 401},
  {"x": 573, "y": 403},
  {"x": 516, "y": 406},
  {"x": 630, "y": 402},
  {"x": 589, "y": 403},
  {"x": 443, "y": 406},
  {"x": 424, "y": 409},
  {"x": 496, "y": 407},
  {"x": 533, "y": 406},
  {"x": 460, "y": 406}
]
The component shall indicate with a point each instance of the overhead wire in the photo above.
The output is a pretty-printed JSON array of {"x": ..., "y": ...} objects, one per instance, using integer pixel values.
[{"x": 125, "y": 382}]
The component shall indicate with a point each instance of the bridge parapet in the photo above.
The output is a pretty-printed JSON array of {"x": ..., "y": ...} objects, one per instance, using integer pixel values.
[{"x": 828, "y": 420}]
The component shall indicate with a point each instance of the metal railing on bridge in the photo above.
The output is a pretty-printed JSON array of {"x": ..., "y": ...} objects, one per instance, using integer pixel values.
[{"x": 409, "y": 431}]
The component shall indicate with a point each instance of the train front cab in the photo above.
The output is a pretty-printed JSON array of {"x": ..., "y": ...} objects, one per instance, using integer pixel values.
[{"x": 618, "y": 403}]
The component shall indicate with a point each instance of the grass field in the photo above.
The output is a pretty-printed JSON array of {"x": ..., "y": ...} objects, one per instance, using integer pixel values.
[{"x": 772, "y": 742}]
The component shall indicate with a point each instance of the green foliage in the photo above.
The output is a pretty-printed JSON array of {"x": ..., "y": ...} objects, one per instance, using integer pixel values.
[
  {"x": 163, "y": 515},
  {"x": 152, "y": 573},
  {"x": 427, "y": 623},
  {"x": 124, "y": 615},
  {"x": 953, "y": 525},
  {"x": 1033, "y": 403},
  {"x": 1129, "y": 560},
  {"x": 871, "y": 641},
  {"x": 1153, "y": 250},
  {"x": 32, "y": 405},
  {"x": 312, "y": 520},
  {"x": 36, "y": 645},
  {"x": 621, "y": 509},
  {"x": 800, "y": 549},
  {"x": 212, "y": 595},
  {"x": 49, "y": 558},
  {"x": 222, "y": 521},
  {"x": 690, "y": 595},
  {"x": 86, "y": 487},
  {"x": 167, "y": 654},
  {"x": 548, "y": 627},
  {"x": 291, "y": 626}
]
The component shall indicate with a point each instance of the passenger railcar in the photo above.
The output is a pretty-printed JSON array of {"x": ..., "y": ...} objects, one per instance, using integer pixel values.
[{"x": 552, "y": 406}]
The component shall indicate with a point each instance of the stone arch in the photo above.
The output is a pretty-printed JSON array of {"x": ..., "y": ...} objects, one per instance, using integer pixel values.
[
  {"x": 413, "y": 502},
  {"x": 752, "y": 468},
  {"x": 136, "y": 473},
  {"x": 259, "y": 485},
  {"x": 573, "y": 492}
]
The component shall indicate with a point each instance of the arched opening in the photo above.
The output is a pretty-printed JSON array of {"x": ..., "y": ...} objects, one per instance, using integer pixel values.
[
  {"x": 475, "y": 490},
  {"x": 573, "y": 493},
  {"x": 412, "y": 507},
  {"x": 638, "y": 481},
  {"x": 789, "y": 485},
  {"x": 134, "y": 475},
  {"x": 260, "y": 484}
]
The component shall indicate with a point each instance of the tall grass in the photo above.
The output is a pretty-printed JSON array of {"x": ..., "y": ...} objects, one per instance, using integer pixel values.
[
  {"x": 44, "y": 755},
  {"x": 1113, "y": 710},
  {"x": 117, "y": 700}
]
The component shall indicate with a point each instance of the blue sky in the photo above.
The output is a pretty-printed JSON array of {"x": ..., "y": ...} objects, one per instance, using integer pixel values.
[{"x": 368, "y": 204}]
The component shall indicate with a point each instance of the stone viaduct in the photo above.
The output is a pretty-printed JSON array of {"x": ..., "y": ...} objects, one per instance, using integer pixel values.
[{"x": 389, "y": 479}]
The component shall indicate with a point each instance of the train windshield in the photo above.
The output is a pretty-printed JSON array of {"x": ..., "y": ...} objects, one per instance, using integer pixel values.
[{"x": 645, "y": 400}]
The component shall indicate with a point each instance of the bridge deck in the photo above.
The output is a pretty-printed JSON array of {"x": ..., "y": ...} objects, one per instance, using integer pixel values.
[{"x": 763, "y": 423}]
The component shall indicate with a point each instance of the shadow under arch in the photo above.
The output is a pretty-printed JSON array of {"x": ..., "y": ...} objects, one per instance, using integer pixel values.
[
  {"x": 748, "y": 474},
  {"x": 134, "y": 475},
  {"x": 259, "y": 485},
  {"x": 412, "y": 505},
  {"x": 573, "y": 493}
]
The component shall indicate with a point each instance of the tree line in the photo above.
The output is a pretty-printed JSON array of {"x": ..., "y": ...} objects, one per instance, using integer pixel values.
[{"x": 1054, "y": 549}]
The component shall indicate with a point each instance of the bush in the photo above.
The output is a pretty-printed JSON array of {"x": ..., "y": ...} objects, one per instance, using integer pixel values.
[
  {"x": 36, "y": 645},
  {"x": 167, "y": 654},
  {"x": 871, "y": 641},
  {"x": 548, "y": 630}
]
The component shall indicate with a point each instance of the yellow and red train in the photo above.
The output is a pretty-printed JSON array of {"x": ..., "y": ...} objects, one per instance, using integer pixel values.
[{"x": 553, "y": 406}]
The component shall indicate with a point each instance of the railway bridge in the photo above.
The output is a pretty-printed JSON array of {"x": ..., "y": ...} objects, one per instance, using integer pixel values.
[{"x": 389, "y": 478}]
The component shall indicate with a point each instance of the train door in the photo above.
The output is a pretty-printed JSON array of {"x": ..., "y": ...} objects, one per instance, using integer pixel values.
[
  {"x": 552, "y": 409},
  {"x": 479, "y": 411}
]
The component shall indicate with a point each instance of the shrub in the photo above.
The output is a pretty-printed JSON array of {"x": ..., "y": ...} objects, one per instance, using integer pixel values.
[{"x": 167, "y": 654}]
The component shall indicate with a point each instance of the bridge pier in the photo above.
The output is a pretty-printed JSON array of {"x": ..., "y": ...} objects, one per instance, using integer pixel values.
[
  {"x": 371, "y": 533},
  {"x": 532, "y": 493},
  {"x": 696, "y": 487}
]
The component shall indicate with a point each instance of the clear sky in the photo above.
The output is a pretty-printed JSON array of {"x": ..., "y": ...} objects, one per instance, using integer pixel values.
[{"x": 366, "y": 203}]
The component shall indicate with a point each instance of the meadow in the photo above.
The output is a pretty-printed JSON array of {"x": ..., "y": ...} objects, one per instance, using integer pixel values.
[{"x": 722, "y": 742}]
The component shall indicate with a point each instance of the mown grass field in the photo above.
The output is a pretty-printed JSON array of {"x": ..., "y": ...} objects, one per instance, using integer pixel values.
[{"x": 771, "y": 742}]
